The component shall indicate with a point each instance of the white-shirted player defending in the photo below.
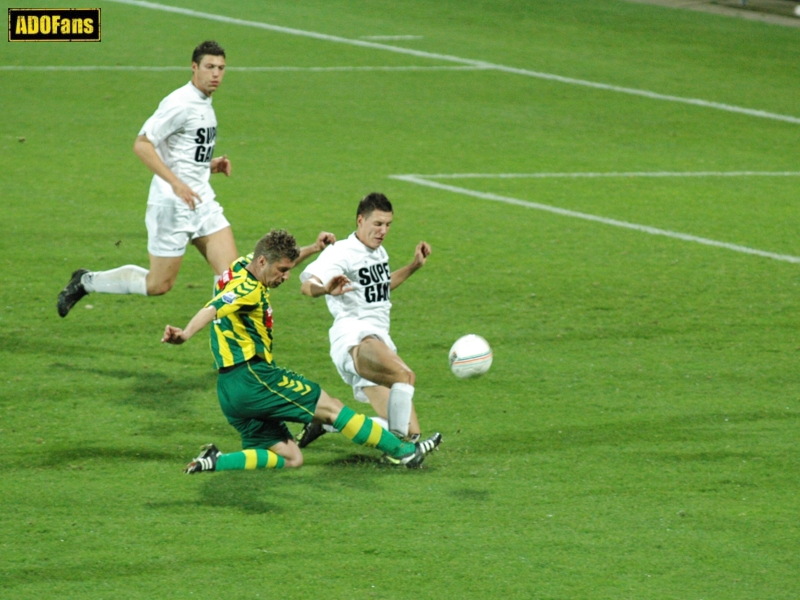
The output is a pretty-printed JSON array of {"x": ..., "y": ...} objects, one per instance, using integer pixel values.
[
  {"x": 355, "y": 279},
  {"x": 177, "y": 145}
]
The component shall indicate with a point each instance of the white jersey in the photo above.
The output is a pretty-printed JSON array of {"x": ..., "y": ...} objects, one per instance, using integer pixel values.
[
  {"x": 368, "y": 303},
  {"x": 183, "y": 130}
]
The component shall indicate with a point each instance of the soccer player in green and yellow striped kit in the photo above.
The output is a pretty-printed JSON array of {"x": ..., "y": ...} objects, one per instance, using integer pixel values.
[{"x": 258, "y": 397}]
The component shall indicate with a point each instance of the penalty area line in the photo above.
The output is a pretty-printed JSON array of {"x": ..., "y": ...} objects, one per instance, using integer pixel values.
[{"x": 420, "y": 180}]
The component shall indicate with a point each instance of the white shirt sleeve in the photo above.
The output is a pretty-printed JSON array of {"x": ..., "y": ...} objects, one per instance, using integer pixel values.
[
  {"x": 328, "y": 264},
  {"x": 166, "y": 121}
]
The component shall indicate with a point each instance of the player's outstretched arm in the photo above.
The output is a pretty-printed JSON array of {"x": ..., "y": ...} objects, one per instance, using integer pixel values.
[
  {"x": 421, "y": 254},
  {"x": 337, "y": 286},
  {"x": 146, "y": 151},
  {"x": 176, "y": 335},
  {"x": 324, "y": 239},
  {"x": 221, "y": 165}
]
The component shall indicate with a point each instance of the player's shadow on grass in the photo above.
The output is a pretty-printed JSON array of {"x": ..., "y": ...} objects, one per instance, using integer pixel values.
[
  {"x": 278, "y": 491},
  {"x": 153, "y": 390},
  {"x": 244, "y": 491},
  {"x": 356, "y": 460},
  {"x": 470, "y": 495},
  {"x": 252, "y": 492}
]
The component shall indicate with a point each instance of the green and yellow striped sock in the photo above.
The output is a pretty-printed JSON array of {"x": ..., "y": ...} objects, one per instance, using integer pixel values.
[
  {"x": 249, "y": 459},
  {"x": 364, "y": 431}
]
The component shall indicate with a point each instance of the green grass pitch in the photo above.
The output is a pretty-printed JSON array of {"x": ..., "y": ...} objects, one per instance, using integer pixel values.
[{"x": 637, "y": 434}]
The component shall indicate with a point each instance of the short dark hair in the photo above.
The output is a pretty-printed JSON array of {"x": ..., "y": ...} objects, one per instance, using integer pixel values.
[
  {"x": 371, "y": 202},
  {"x": 207, "y": 47},
  {"x": 277, "y": 244}
]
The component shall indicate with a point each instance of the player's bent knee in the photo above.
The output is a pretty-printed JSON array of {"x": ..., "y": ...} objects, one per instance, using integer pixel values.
[
  {"x": 328, "y": 408},
  {"x": 410, "y": 376},
  {"x": 403, "y": 374},
  {"x": 291, "y": 453},
  {"x": 294, "y": 461},
  {"x": 159, "y": 288}
]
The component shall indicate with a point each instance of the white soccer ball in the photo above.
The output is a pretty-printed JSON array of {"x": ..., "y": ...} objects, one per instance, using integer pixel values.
[{"x": 470, "y": 356}]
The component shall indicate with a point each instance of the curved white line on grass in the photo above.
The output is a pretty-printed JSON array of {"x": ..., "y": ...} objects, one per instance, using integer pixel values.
[
  {"x": 391, "y": 37},
  {"x": 592, "y": 175},
  {"x": 466, "y": 61},
  {"x": 246, "y": 69},
  {"x": 587, "y": 217}
]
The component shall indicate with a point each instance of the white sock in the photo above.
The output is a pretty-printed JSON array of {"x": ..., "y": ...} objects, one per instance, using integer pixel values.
[
  {"x": 215, "y": 291},
  {"x": 399, "y": 409},
  {"x": 129, "y": 279}
]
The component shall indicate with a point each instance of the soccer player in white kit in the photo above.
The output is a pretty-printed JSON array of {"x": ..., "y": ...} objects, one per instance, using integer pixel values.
[
  {"x": 177, "y": 145},
  {"x": 354, "y": 276}
]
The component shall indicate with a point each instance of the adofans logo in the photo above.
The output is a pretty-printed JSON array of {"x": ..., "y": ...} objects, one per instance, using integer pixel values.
[{"x": 53, "y": 24}]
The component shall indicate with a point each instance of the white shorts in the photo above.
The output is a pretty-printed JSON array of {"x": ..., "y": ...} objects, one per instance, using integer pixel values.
[
  {"x": 170, "y": 227},
  {"x": 342, "y": 359}
]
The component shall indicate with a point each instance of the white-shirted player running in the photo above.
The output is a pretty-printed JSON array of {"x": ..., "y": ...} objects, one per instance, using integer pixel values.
[
  {"x": 354, "y": 276},
  {"x": 177, "y": 145}
]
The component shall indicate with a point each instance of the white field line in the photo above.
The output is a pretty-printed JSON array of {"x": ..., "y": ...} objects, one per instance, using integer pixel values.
[
  {"x": 391, "y": 37},
  {"x": 421, "y": 180},
  {"x": 465, "y": 61},
  {"x": 246, "y": 69},
  {"x": 623, "y": 175}
]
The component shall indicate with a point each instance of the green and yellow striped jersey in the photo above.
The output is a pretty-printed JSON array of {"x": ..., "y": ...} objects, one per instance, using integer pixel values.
[{"x": 243, "y": 325}]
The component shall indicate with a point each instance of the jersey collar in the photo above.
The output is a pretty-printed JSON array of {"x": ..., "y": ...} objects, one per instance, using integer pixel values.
[{"x": 200, "y": 94}]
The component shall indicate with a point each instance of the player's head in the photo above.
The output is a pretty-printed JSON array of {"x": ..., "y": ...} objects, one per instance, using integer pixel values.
[
  {"x": 208, "y": 66},
  {"x": 274, "y": 257},
  {"x": 371, "y": 202},
  {"x": 208, "y": 47},
  {"x": 373, "y": 219}
]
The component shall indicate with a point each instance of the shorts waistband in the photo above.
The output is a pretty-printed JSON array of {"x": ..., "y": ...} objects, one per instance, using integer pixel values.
[{"x": 252, "y": 361}]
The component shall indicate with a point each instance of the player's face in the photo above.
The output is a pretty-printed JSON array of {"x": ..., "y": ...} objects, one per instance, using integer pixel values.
[
  {"x": 273, "y": 274},
  {"x": 372, "y": 229},
  {"x": 207, "y": 74}
]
